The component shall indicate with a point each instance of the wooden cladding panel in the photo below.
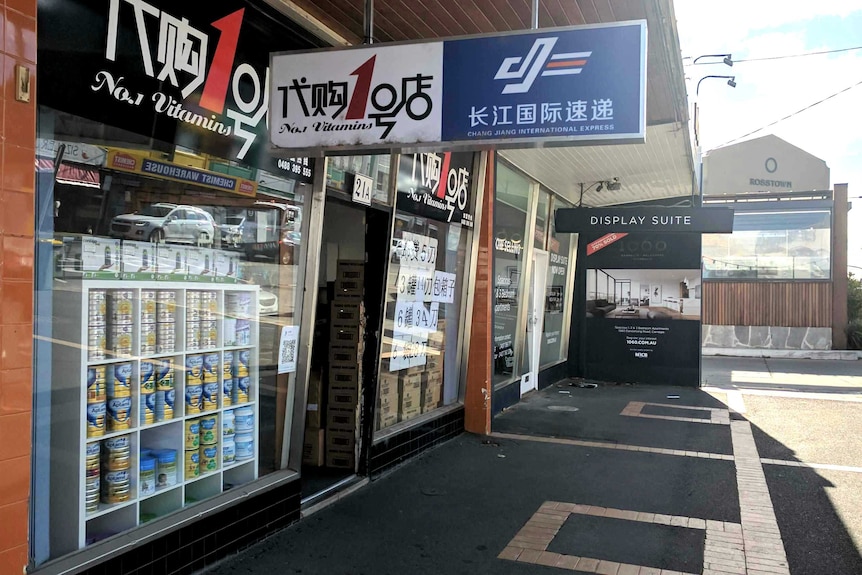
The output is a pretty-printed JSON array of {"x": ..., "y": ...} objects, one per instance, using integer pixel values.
[{"x": 780, "y": 304}]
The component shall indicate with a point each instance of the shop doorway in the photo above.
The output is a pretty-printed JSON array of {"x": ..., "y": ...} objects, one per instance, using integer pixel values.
[
  {"x": 345, "y": 345},
  {"x": 535, "y": 320}
]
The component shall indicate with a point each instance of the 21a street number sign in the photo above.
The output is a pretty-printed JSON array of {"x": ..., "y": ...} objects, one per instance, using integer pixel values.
[
  {"x": 362, "y": 186},
  {"x": 576, "y": 84}
]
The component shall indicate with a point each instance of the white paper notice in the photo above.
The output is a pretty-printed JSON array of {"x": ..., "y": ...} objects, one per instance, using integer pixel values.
[
  {"x": 287, "y": 349},
  {"x": 408, "y": 350},
  {"x": 414, "y": 317},
  {"x": 443, "y": 288},
  {"x": 416, "y": 251}
]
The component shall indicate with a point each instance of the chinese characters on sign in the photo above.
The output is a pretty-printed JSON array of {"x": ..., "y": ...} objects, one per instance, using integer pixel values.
[
  {"x": 357, "y": 97},
  {"x": 437, "y": 186},
  {"x": 421, "y": 290},
  {"x": 574, "y": 84}
]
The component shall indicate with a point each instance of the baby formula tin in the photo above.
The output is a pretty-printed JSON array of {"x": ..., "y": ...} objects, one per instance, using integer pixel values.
[
  {"x": 117, "y": 453},
  {"x": 210, "y": 368},
  {"x": 147, "y": 377},
  {"x": 166, "y": 339},
  {"x": 194, "y": 369},
  {"x": 209, "y": 397},
  {"x": 226, "y": 393},
  {"x": 120, "y": 307},
  {"x": 147, "y": 477},
  {"x": 164, "y": 375},
  {"x": 241, "y": 389},
  {"x": 238, "y": 304},
  {"x": 96, "y": 384},
  {"x": 120, "y": 338},
  {"x": 193, "y": 335},
  {"x": 116, "y": 486},
  {"x": 243, "y": 332},
  {"x": 148, "y": 408},
  {"x": 166, "y": 467},
  {"x": 120, "y": 380},
  {"x": 119, "y": 413},
  {"x": 209, "y": 334},
  {"x": 193, "y": 436},
  {"x": 96, "y": 419},
  {"x": 92, "y": 462},
  {"x": 243, "y": 420},
  {"x": 209, "y": 430},
  {"x": 148, "y": 338},
  {"x": 208, "y": 458},
  {"x": 194, "y": 394},
  {"x": 193, "y": 306},
  {"x": 228, "y": 423},
  {"x": 97, "y": 342},
  {"x": 98, "y": 307},
  {"x": 165, "y": 405},
  {"x": 244, "y": 446},
  {"x": 243, "y": 358},
  {"x": 228, "y": 450},
  {"x": 149, "y": 306},
  {"x": 166, "y": 308},
  {"x": 191, "y": 464}
]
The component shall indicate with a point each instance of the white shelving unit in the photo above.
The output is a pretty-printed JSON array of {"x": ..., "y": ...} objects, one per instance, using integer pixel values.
[{"x": 72, "y": 527}]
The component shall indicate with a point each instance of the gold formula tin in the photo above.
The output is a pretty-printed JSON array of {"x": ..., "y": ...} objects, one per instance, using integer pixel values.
[
  {"x": 148, "y": 408},
  {"x": 148, "y": 302},
  {"x": 147, "y": 377},
  {"x": 97, "y": 307},
  {"x": 209, "y": 334},
  {"x": 164, "y": 375},
  {"x": 193, "y": 438},
  {"x": 117, "y": 453},
  {"x": 210, "y": 367},
  {"x": 209, "y": 431},
  {"x": 120, "y": 380},
  {"x": 120, "y": 338},
  {"x": 148, "y": 338},
  {"x": 96, "y": 385},
  {"x": 193, "y": 335},
  {"x": 165, "y": 405},
  {"x": 209, "y": 397},
  {"x": 116, "y": 486},
  {"x": 208, "y": 458},
  {"x": 192, "y": 463},
  {"x": 119, "y": 413},
  {"x": 97, "y": 342},
  {"x": 193, "y": 399},
  {"x": 96, "y": 413}
]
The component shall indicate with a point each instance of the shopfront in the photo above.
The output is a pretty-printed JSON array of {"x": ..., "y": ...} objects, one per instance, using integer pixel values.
[
  {"x": 532, "y": 293},
  {"x": 171, "y": 257}
]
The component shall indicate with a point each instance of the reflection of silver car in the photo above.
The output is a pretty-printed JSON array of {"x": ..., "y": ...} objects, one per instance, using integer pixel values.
[
  {"x": 232, "y": 230},
  {"x": 166, "y": 222}
]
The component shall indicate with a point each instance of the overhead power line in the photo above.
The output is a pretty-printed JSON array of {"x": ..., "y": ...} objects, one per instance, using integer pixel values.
[
  {"x": 798, "y": 55},
  {"x": 787, "y": 117}
]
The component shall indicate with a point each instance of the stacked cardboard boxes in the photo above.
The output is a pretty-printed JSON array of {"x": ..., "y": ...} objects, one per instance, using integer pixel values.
[
  {"x": 388, "y": 399},
  {"x": 347, "y": 341},
  {"x": 411, "y": 393},
  {"x": 314, "y": 444}
]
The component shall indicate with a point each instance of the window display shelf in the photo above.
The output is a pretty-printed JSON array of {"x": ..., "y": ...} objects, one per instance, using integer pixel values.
[
  {"x": 238, "y": 464},
  {"x": 196, "y": 377},
  {"x": 106, "y": 508}
]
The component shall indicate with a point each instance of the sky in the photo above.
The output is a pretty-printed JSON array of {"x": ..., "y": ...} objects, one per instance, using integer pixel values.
[{"x": 769, "y": 90}]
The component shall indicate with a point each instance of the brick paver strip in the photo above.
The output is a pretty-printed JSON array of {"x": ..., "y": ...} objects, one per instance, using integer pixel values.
[
  {"x": 717, "y": 416},
  {"x": 618, "y": 446}
]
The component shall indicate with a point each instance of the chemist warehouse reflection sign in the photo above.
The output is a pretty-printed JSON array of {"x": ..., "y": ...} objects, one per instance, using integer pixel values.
[{"x": 564, "y": 84}]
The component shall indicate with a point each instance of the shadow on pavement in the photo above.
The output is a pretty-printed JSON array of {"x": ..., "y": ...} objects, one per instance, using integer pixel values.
[{"x": 453, "y": 509}]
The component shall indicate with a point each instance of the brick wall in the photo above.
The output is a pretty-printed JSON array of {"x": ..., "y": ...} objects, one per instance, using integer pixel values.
[{"x": 17, "y": 224}]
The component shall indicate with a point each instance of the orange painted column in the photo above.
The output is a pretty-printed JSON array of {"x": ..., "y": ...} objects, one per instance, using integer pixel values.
[
  {"x": 477, "y": 397},
  {"x": 17, "y": 227}
]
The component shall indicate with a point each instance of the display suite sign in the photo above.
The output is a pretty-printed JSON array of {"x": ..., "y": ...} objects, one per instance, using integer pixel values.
[
  {"x": 642, "y": 321},
  {"x": 584, "y": 84},
  {"x": 193, "y": 77}
]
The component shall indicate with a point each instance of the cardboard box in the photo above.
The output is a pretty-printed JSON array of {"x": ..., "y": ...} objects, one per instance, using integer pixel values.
[
  {"x": 408, "y": 414},
  {"x": 348, "y": 379},
  {"x": 352, "y": 270},
  {"x": 313, "y": 402},
  {"x": 411, "y": 382},
  {"x": 226, "y": 264},
  {"x": 431, "y": 397},
  {"x": 343, "y": 356},
  {"x": 201, "y": 262},
  {"x": 344, "y": 336},
  {"x": 171, "y": 260},
  {"x": 139, "y": 257},
  {"x": 342, "y": 418},
  {"x": 341, "y": 459},
  {"x": 410, "y": 400},
  {"x": 346, "y": 398},
  {"x": 347, "y": 312},
  {"x": 100, "y": 255},
  {"x": 313, "y": 447},
  {"x": 386, "y": 419},
  {"x": 340, "y": 441}
]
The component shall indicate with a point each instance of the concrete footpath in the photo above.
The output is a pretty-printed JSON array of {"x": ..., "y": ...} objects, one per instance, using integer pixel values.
[{"x": 620, "y": 480}]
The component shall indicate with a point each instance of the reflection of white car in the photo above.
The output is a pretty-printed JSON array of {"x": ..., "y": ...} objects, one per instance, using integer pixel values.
[
  {"x": 267, "y": 303},
  {"x": 232, "y": 230},
  {"x": 166, "y": 222}
]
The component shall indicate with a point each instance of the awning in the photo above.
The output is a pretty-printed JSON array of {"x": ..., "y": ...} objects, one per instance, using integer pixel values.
[{"x": 72, "y": 175}]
